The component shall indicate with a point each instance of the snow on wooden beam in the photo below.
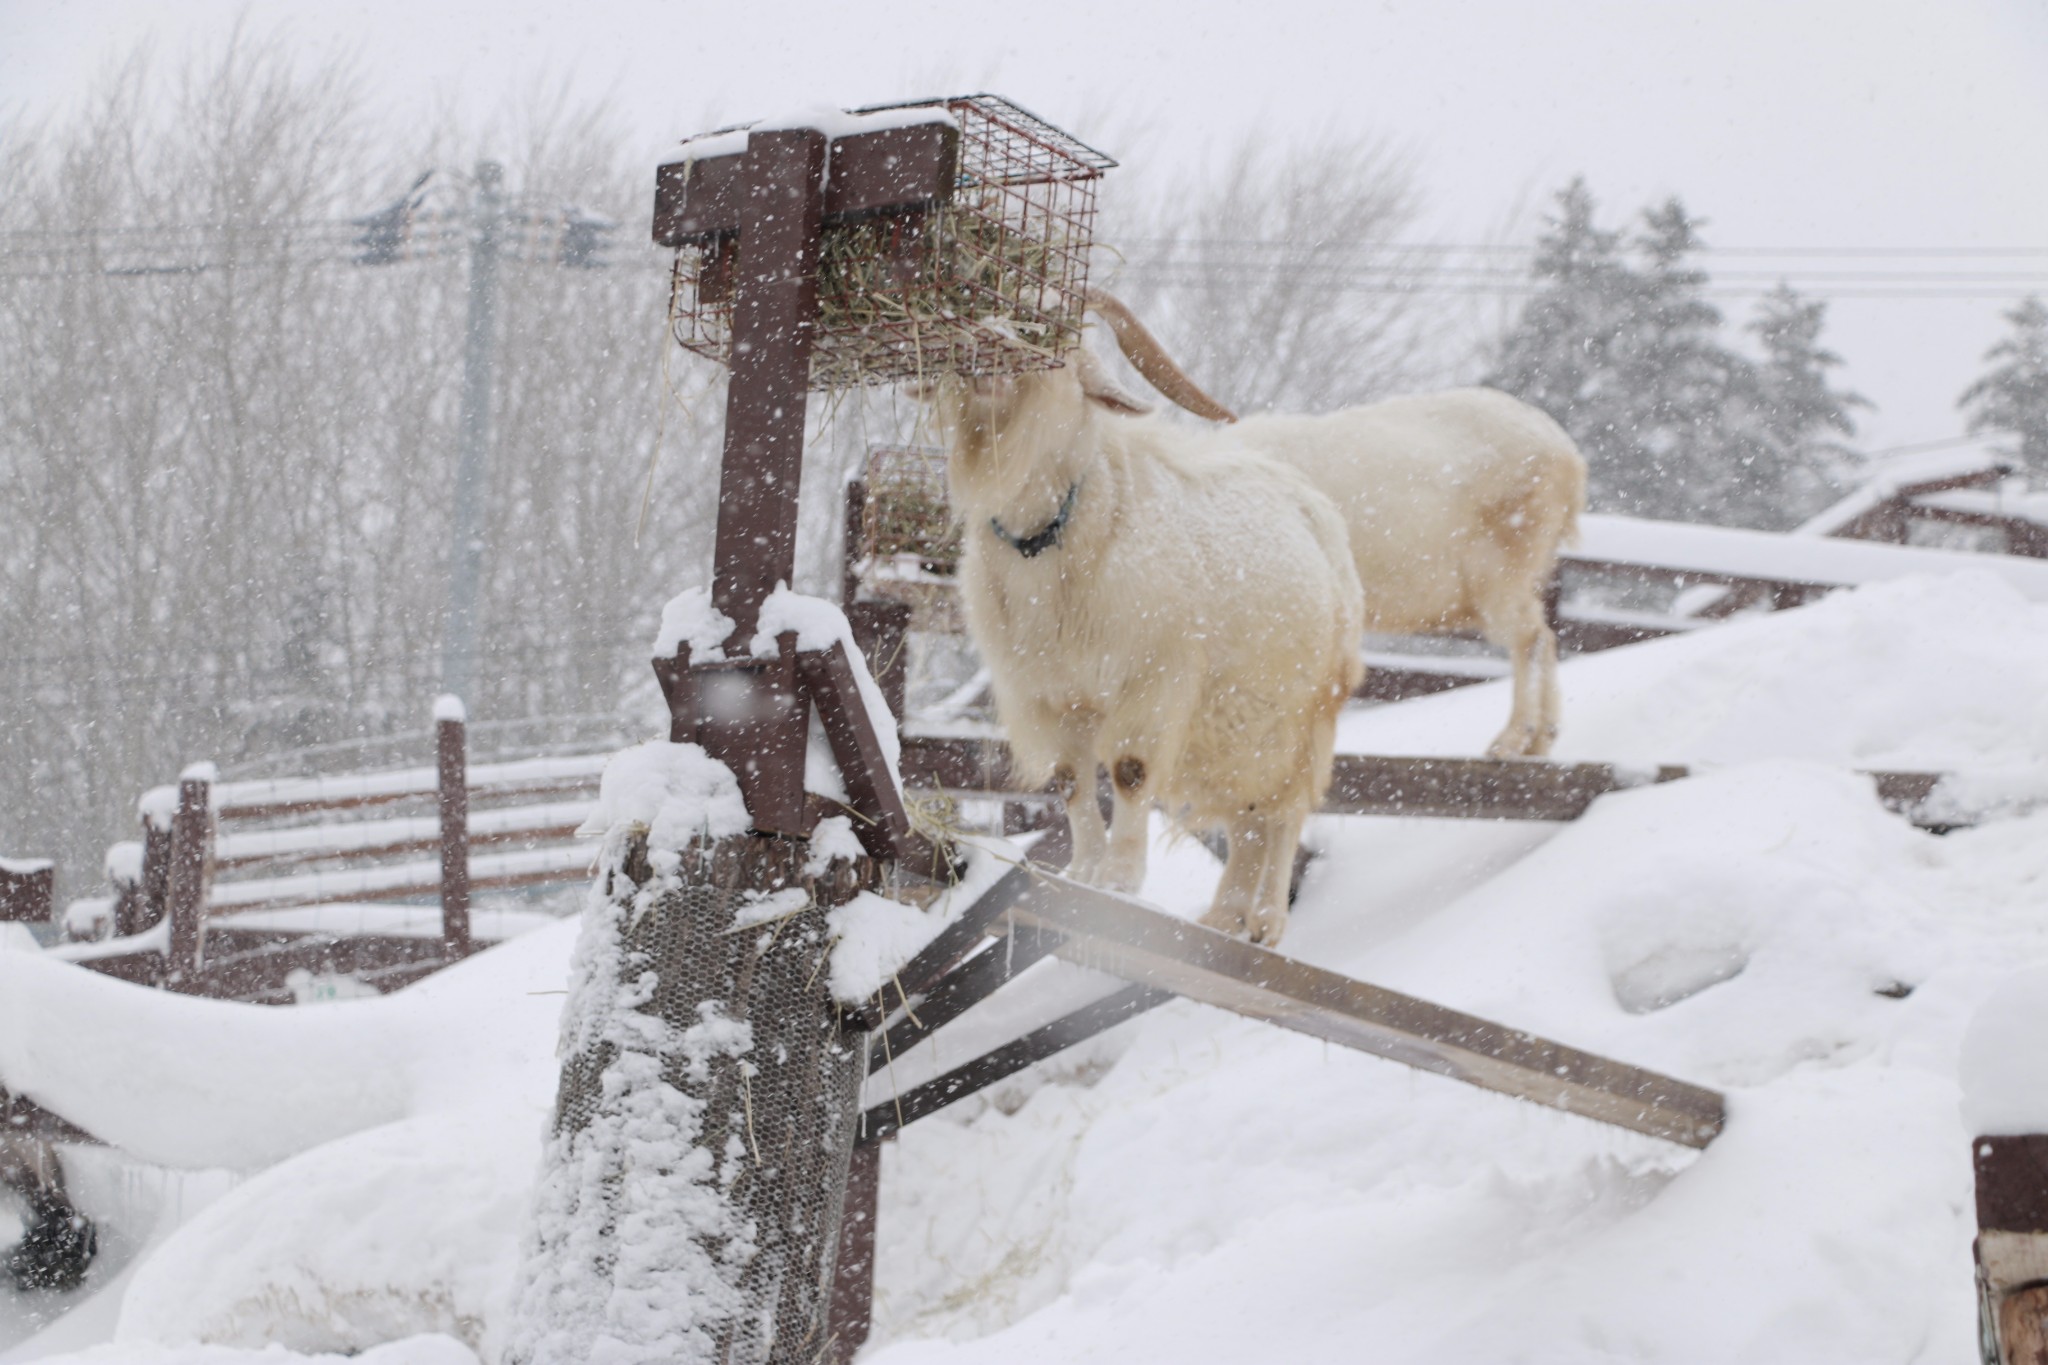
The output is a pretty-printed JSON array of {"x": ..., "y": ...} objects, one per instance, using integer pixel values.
[
  {"x": 491, "y": 871},
  {"x": 1127, "y": 938},
  {"x": 1720, "y": 554},
  {"x": 1388, "y": 784},
  {"x": 293, "y": 795}
]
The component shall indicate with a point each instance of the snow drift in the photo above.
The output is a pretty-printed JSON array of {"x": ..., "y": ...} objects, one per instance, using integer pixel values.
[{"x": 1197, "y": 1187}]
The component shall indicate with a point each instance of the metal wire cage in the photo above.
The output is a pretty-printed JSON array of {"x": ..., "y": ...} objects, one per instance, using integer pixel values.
[
  {"x": 906, "y": 513},
  {"x": 991, "y": 282}
]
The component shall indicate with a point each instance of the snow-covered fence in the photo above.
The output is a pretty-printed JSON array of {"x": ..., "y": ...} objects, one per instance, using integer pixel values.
[{"x": 236, "y": 886}]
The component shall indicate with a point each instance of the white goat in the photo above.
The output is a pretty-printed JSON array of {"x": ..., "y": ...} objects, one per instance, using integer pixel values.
[
  {"x": 1456, "y": 504},
  {"x": 1159, "y": 601}
]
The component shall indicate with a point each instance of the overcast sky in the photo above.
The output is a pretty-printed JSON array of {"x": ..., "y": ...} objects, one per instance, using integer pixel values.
[{"x": 1896, "y": 124}]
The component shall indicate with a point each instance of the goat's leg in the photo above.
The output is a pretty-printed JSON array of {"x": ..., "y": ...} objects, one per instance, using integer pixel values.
[
  {"x": 1130, "y": 826},
  {"x": 1532, "y": 653},
  {"x": 1550, "y": 696},
  {"x": 1280, "y": 836},
  {"x": 1237, "y": 894},
  {"x": 1084, "y": 817}
]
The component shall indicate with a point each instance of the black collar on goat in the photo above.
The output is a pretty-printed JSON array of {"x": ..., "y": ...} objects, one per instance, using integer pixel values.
[{"x": 1048, "y": 537}]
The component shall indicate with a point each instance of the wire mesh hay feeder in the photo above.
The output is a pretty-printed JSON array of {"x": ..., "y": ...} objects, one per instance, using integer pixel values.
[
  {"x": 990, "y": 280},
  {"x": 906, "y": 514}
]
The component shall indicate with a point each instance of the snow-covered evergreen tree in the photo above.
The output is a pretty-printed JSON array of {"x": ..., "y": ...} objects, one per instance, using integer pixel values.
[
  {"x": 1801, "y": 421},
  {"x": 1560, "y": 353},
  {"x": 1678, "y": 460},
  {"x": 2013, "y": 395},
  {"x": 1622, "y": 345}
]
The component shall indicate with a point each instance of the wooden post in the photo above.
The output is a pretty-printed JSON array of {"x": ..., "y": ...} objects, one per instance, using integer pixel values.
[
  {"x": 157, "y": 807},
  {"x": 450, "y": 735},
  {"x": 191, "y": 867},
  {"x": 881, "y": 629},
  {"x": 2012, "y": 1246},
  {"x": 761, "y": 215},
  {"x": 125, "y": 871},
  {"x": 854, "y": 513},
  {"x": 28, "y": 889},
  {"x": 853, "y": 1273}
]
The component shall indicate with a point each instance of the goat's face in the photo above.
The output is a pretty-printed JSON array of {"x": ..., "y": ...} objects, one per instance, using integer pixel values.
[{"x": 1037, "y": 409}]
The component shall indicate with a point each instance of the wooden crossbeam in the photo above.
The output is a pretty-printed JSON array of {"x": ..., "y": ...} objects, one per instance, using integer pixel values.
[
  {"x": 960, "y": 990},
  {"x": 890, "y": 170},
  {"x": 1391, "y": 784},
  {"x": 1126, "y": 938},
  {"x": 1127, "y": 1002}
]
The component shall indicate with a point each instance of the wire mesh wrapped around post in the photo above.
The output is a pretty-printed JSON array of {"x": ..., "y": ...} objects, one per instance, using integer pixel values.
[
  {"x": 690, "y": 1196},
  {"x": 989, "y": 282}
]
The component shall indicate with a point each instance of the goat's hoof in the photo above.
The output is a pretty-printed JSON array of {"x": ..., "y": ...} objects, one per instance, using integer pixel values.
[
  {"x": 1520, "y": 744},
  {"x": 1267, "y": 927},
  {"x": 1224, "y": 922}
]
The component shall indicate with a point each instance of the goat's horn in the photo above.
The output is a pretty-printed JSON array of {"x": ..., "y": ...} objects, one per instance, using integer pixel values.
[{"x": 1150, "y": 359}]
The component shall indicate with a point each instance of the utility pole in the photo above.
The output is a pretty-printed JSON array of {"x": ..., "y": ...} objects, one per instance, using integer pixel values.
[{"x": 465, "y": 561}]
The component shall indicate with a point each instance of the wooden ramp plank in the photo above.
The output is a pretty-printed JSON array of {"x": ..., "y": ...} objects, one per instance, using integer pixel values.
[{"x": 1129, "y": 939}]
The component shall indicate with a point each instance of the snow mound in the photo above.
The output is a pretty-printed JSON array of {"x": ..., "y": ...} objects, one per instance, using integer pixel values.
[
  {"x": 676, "y": 792},
  {"x": 405, "y": 1230},
  {"x": 2005, "y": 1066},
  {"x": 1926, "y": 674},
  {"x": 1201, "y": 1188}
]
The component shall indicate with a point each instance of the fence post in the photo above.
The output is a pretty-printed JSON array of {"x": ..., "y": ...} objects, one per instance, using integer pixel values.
[
  {"x": 157, "y": 808},
  {"x": 881, "y": 630},
  {"x": 450, "y": 737},
  {"x": 855, "y": 515},
  {"x": 28, "y": 889},
  {"x": 126, "y": 870},
  {"x": 853, "y": 1272},
  {"x": 190, "y": 870}
]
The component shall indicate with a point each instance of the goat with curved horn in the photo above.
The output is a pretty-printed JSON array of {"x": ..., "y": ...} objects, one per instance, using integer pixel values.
[
  {"x": 1150, "y": 359},
  {"x": 1455, "y": 504}
]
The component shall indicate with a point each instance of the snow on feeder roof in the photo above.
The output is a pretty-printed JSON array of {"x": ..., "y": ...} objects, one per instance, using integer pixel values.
[{"x": 989, "y": 278}]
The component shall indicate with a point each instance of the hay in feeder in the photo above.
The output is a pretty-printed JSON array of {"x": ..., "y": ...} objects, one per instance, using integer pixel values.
[
  {"x": 906, "y": 513},
  {"x": 990, "y": 282}
]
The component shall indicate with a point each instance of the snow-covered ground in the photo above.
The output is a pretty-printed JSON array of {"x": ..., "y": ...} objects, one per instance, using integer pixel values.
[{"x": 1196, "y": 1187}]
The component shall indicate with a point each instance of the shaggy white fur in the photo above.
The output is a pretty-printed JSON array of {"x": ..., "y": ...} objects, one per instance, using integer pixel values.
[
  {"x": 1456, "y": 504},
  {"x": 1159, "y": 601}
]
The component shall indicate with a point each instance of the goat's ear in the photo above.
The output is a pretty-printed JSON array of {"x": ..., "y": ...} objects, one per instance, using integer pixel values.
[{"x": 1097, "y": 386}]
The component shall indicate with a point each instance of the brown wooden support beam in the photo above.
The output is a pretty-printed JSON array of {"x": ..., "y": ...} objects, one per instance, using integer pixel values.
[
  {"x": 853, "y": 513},
  {"x": 452, "y": 801},
  {"x": 891, "y": 170},
  {"x": 1402, "y": 785},
  {"x": 960, "y": 990},
  {"x": 775, "y": 316},
  {"x": 1475, "y": 788},
  {"x": 2012, "y": 1244},
  {"x": 1130, "y": 939},
  {"x": 28, "y": 891},
  {"x": 883, "y": 823},
  {"x": 156, "y": 871},
  {"x": 885, "y": 1119},
  {"x": 881, "y": 630},
  {"x": 852, "y": 1311},
  {"x": 191, "y": 868}
]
